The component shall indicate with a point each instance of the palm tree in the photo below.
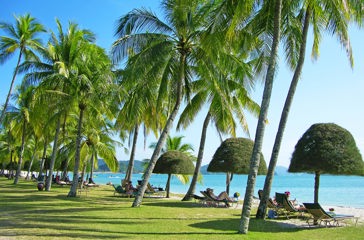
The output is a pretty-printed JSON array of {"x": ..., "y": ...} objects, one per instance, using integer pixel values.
[
  {"x": 20, "y": 115},
  {"x": 162, "y": 55},
  {"x": 90, "y": 90},
  {"x": 138, "y": 110},
  {"x": 255, "y": 159},
  {"x": 97, "y": 142},
  {"x": 22, "y": 37},
  {"x": 227, "y": 98},
  {"x": 8, "y": 143},
  {"x": 333, "y": 17},
  {"x": 33, "y": 152}
]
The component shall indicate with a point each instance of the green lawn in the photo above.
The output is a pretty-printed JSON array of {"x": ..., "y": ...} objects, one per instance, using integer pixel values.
[{"x": 27, "y": 213}]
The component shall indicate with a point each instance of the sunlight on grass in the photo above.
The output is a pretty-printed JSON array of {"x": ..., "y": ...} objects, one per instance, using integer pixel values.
[{"x": 31, "y": 214}]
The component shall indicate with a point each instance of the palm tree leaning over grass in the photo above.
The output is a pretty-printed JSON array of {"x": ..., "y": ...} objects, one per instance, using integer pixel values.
[
  {"x": 333, "y": 16},
  {"x": 22, "y": 37},
  {"x": 162, "y": 56},
  {"x": 268, "y": 86}
]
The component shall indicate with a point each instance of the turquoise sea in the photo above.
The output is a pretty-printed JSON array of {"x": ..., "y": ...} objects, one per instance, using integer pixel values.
[{"x": 334, "y": 190}]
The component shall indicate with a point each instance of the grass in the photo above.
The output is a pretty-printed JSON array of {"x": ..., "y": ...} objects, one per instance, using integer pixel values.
[{"x": 27, "y": 213}]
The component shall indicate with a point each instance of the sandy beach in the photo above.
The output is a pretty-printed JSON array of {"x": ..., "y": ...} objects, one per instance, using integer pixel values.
[
  {"x": 297, "y": 222},
  {"x": 301, "y": 223}
]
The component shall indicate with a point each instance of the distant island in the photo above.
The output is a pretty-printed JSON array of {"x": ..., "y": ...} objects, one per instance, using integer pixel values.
[{"x": 139, "y": 167}]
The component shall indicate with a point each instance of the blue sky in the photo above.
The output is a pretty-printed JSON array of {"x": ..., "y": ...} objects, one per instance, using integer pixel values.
[{"x": 329, "y": 90}]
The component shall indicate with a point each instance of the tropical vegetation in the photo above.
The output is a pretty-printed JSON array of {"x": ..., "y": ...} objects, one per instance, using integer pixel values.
[
  {"x": 326, "y": 148},
  {"x": 74, "y": 98}
]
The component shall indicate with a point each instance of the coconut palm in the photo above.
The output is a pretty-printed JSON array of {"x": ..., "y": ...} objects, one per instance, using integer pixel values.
[
  {"x": 8, "y": 143},
  {"x": 98, "y": 143},
  {"x": 138, "y": 110},
  {"x": 227, "y": 97},
  {"x": 162, "y": 55},
  {"x": 255, "y": 159},
  {"x": 33, "y": 151},
  {"x": 20, "y": 115},
  {"x": 54, "y": 76},
  {"x": 22, "y": 37},
  {"x": 90, "y": 90},
  {"x": 333, "y": 17}
]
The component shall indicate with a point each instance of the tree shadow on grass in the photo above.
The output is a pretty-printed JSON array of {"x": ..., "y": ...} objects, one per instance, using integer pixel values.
[
  {"x": 173, "y": 204},
  {"x": 255, "y": 225}
]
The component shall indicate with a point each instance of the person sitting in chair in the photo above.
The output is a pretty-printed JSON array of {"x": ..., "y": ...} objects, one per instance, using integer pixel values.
[{"x": 129, "y": 188}]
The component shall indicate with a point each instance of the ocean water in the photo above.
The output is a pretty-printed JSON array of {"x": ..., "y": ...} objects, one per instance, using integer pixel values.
[{"x": 333, "y": 190}]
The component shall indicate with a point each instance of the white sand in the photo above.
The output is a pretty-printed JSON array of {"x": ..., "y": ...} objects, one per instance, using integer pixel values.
[{"x": 301, "y": 223}]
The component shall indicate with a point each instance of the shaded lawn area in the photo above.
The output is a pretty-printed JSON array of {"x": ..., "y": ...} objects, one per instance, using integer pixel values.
[{"x": 27, "y": 213}]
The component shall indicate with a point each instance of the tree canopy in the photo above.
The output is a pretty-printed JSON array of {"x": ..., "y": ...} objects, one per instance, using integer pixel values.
[
  {"x": 233, "y": 155},
  {"x": 328, "y": 148},
  {"x": 174, "y": 162}
]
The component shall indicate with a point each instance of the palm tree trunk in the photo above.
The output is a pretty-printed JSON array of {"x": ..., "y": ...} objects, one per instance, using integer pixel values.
[
  {"x": 92, "y": 167},
  {"x": 11, "y": 87},
  {"x": 65, "y": 171},
  {"x": 168, "y": 185},
  {"x": 54, "y": 155},
  {"x": 255, "y": 158},
  {"x": 262, "y": 209},
  {"x": 44, "y": 156},
  {"x": 18, "y": 171},
  {"x": 139, "y": 197},
  {"x": 129, "y": 171},
  {"x": 192, "y": 187},
  {"x": 83, "y": 174},
  {"x": 32, "y": 160},
  {"x": 10, "y": 172},
  {"x": 73, "y": 190}
]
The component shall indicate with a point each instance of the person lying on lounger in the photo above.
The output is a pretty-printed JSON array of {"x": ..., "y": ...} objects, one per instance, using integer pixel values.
[{"x": 222, "y": 196}]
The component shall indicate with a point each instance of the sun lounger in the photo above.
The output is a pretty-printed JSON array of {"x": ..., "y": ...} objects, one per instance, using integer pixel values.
[
  {"x": 212, "y": 198},
  {"x": 321, "y": 217},
  {"x": 287, "y": 205},
  {"x": 154, "y": 191},
  {"x": 121, "y": 191},
  {"x": 272, "y": 204},
  {"x": 200, "y": 199}
]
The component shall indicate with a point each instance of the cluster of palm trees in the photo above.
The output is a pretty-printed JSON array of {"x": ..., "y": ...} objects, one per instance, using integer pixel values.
[{"x": 74, "y": 97}]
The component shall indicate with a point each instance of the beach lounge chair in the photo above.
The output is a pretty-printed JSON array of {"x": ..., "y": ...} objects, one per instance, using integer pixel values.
[
  {"x": 290, "y": 208},
  {"x": 210, "y": 202},
  {"x": 214, "y": 199},
  {"x": 155, "y": 191},
  {"x": 200, "y": 199},
  {"x": 272, "y": 204},
  {"x": 121, "y": 191},
  {"x": 283, "y": 201},
  {"x": 321, "y": 217}
]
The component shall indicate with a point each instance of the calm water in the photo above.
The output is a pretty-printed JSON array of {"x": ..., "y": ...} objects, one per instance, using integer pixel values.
[{"x": 334, "y": 190}]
